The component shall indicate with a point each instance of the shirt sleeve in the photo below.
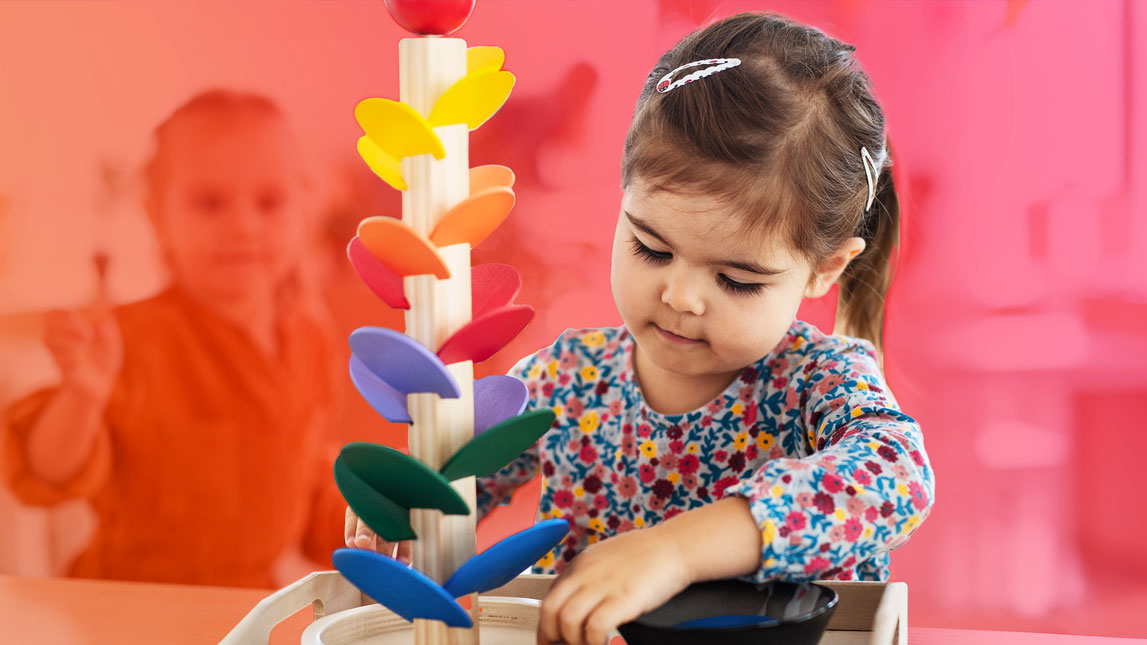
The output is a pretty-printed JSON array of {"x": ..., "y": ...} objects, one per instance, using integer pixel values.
[
  {"x": 18, "y": 421},
  {"x": 864, "y": 489},
  {"x": 495, "y": 490}
]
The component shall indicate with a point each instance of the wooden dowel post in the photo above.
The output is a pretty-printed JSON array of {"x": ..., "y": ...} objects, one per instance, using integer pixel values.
[{"x": 438, "y": 308}]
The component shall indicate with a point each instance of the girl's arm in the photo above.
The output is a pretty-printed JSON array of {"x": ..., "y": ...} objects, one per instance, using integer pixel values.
[
  {"x": 718, "y": 540},
  {"x": 57, "y": 444},
  {"x": 862, "y": 492},
  {"x": 618, "y": 579},
  {"x": 64, "y": 434},
  {"x": 55, "y": 470},
  {"x": 89, "y": 355}
]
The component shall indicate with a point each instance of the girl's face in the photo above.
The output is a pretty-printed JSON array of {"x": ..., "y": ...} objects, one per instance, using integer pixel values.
[
  {"x": 229, "y": 212},
  {"x": 701, "y": 298}
]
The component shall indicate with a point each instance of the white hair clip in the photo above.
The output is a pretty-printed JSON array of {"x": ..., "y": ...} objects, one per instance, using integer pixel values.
[
  {"x": 871, "y": 173},
  {"x": 717, "y": 65}
]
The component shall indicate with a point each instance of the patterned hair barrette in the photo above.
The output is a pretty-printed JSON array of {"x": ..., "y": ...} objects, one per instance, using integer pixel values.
[{"x": 714, "y": 65}]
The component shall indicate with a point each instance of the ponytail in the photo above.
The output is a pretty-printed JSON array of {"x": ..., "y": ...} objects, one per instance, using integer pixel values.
[{"x": 865, "y": 281}]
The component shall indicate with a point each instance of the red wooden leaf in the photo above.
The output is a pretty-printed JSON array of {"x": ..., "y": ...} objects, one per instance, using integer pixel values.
[{"x": 483, "y": 337}]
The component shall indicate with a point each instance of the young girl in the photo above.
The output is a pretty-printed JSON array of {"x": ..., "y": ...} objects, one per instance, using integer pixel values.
[
  {"x": 199, "y": 410},
  {"x": 740, "y": 441}
]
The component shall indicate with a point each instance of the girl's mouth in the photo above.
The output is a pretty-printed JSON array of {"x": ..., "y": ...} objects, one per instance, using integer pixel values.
[
  {"x": 675, "y": 338},
  {"x": 239, "y": 258}
]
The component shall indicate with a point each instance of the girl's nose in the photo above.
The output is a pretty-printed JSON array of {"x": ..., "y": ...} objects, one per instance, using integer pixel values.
[
  {"x": 684, "y": 293},
  {"x": 246, "y": 220}
]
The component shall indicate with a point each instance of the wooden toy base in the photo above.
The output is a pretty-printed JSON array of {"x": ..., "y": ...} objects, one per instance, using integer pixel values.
[
  {"x": 503, "y": 621},
  {"x": 868, "y": 613}
]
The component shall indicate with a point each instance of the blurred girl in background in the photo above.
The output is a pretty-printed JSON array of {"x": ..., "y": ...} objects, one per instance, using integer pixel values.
[{"x": 198, "y": 414}]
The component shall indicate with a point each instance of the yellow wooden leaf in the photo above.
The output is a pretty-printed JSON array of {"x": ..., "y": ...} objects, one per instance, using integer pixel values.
[
  {"x": 472, "y": 100},
  {"x": 388, "y": 168},
  {"x": 484, "y": 59},
  {"x": 397, "y": 129}
]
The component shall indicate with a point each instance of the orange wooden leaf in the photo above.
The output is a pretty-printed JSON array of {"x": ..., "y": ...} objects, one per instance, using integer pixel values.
[
  {"x": 483, "y": 177},
  {"x": 473, "y": 219},
  {"x": 400, "y": 248}
]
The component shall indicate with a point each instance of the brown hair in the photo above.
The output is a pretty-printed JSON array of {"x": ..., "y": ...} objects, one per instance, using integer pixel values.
[
  {"x": 214, "y": 102},
  {"x": 778, "y": 138}
]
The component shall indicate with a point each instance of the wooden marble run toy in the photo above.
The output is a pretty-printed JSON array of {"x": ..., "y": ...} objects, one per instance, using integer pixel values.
[{"x": 456, "y": 316}]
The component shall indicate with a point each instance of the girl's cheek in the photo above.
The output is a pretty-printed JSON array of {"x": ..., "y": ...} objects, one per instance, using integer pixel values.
[
  {"x": 631, "y": 280},
  {"x": 638, "y": 271},
  {"x": 288, "y": 240}
]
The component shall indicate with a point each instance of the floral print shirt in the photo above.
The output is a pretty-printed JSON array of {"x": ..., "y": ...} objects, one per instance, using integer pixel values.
[{"x": 835, "y": 474}]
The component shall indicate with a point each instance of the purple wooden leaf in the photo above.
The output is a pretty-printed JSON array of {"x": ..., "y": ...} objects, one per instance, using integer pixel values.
[
  {"x": 386, "y": 400},
  {"x": 402, "y": 362},
  {"x": 497, "y": 398}
]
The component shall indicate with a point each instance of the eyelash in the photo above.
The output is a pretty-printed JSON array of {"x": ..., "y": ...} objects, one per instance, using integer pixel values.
[{"x": 658, "y": 258}]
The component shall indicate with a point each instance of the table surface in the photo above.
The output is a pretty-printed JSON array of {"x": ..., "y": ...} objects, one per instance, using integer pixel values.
[{"x": 69, "y": 611}]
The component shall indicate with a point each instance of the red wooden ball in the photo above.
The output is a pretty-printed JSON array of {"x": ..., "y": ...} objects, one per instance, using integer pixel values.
[{"x": 430, "y": 17}]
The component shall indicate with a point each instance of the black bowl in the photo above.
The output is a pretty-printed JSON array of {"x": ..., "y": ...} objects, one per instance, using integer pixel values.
[{"x": 799, "y": 612}]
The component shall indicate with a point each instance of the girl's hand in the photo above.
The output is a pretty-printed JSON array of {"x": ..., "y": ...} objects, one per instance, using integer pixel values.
[
  {"x": 89, "y": 353},
  {"x": 358, "y": 535},
  {"x": 611, "y": 583}
]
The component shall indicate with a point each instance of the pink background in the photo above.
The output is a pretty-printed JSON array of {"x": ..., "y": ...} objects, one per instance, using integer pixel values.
[{"x": 1017, "y": 324}]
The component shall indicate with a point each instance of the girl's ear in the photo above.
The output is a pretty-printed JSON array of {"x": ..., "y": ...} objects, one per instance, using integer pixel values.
[{"x": 825, "y": 275}]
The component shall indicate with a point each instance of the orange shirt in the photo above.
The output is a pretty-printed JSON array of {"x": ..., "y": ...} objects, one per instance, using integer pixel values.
[{"x": 213, "y": 457}]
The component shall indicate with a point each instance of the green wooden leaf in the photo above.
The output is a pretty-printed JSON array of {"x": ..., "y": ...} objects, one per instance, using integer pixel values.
[
  {"x": 402, "y": 479},
  {"x": 384, "y": 517},
  {"x": 490, "y": 451}
]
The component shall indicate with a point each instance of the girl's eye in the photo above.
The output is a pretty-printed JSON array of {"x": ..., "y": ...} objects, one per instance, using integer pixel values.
[
  {"x": 661, "y": 257},
  {"x": 207, "y": 203},
  {"x": 270, "y": 203},
  {"x": 648, "y": 254},
  {"x": 739, "y": 288}
]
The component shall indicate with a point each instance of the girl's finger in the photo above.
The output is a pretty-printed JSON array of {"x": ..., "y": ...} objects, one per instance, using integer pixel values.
[
  {"x": 66, "y": 358},
  {"x": 350, "y": 526},
  {"x": 573, "y": 614},
  {"x": 403, "y": 553},
  {"x": 66, "y": 340},
  {"x": 364, "y": 537},
  {"x": 67, "y": 322},
  {"x": 61, "y": 348},
  {"x": 67, "y": 333},
  {"x": 605, "y": 618},
  {"x": 107, "y": 330},
  {"x": 548, "y": 629}
]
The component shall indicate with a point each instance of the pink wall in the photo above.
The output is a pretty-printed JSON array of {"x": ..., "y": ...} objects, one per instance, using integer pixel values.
[{"x": 1017, "y": 326}]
